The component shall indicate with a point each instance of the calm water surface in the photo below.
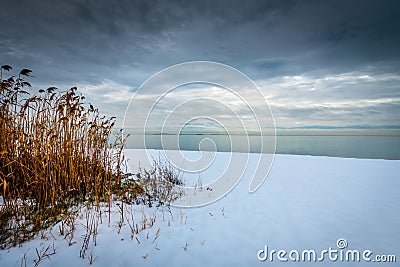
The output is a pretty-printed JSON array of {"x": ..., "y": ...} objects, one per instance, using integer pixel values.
[{"x": 367, "y": 146}]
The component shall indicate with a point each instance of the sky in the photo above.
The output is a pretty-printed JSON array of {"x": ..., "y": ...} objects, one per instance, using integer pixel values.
[{"x": 316, "y": 63}]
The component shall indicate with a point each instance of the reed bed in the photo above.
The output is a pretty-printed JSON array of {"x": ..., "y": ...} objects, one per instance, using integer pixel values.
[{"x": 54, "y": 151}]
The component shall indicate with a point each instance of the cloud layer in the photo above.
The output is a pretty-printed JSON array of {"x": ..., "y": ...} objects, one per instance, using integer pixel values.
[{"x": 317, "y": 62}]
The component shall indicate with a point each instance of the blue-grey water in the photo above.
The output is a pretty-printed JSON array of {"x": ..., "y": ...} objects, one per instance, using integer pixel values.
[{"x": 349, "y": 146}]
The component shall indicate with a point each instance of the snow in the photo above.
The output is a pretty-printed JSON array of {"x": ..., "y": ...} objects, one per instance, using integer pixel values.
[{"x": 306, "y": 202}]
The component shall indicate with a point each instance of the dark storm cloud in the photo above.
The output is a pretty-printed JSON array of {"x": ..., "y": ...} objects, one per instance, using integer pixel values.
[
  {"x": 125, "y": 42},
  {"x": 265, "y": 37}
]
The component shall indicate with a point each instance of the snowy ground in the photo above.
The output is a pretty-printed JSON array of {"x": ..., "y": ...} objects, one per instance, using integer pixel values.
[{"x": 306, "y": 203}]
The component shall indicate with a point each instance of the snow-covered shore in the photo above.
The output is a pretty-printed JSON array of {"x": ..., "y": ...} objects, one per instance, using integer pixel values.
[{"x": 306, "y": 203}]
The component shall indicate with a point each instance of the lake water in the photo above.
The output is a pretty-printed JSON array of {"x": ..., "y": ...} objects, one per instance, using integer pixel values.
[{"x": 349, "y": 146}]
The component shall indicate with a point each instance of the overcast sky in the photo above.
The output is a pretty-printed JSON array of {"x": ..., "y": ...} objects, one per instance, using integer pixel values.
[{"x": 318, "y": 63}]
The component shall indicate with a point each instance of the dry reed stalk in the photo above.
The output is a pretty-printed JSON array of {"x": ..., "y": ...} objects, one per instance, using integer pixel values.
[{"x": 54, "y": 151}]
